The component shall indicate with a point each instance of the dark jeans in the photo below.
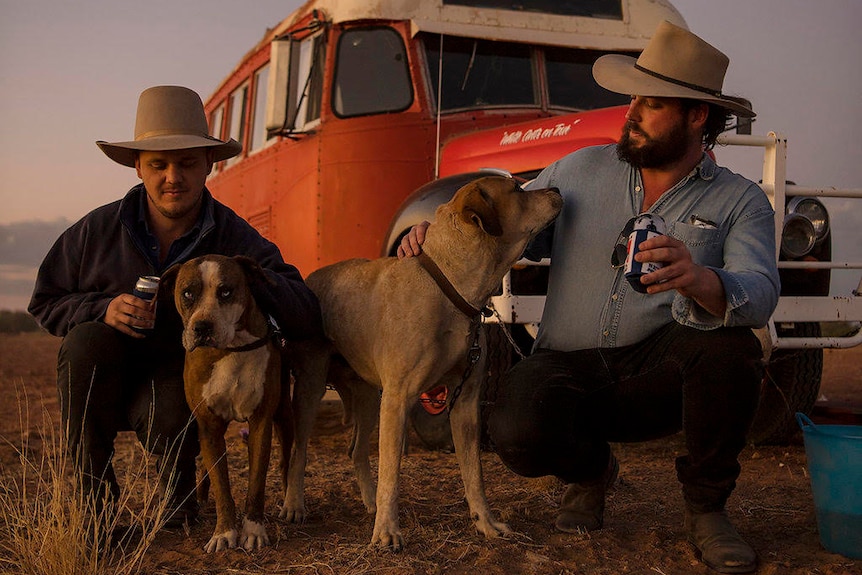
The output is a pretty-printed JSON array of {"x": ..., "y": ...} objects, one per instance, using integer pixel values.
[
  {"x": 110, "y": 382},
  {"x": 557, "y": 411}
]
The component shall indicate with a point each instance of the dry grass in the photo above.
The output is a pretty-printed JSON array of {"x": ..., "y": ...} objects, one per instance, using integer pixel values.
[{"x": 49, "y": 524}]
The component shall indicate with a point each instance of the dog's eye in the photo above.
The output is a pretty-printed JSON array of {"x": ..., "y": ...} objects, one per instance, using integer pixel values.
[
  {"x": 225, "y": 293},
  {"x": 188, "y": 297}
]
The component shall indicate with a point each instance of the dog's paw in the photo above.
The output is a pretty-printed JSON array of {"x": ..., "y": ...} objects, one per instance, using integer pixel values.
[
  {"x": 491, "y": 528},
  {"x": 292, "y": 514},
  {"x": 221, "y": 541},
  {"x": 253, "y": 535},
  {"x": 390, "y": 539}
]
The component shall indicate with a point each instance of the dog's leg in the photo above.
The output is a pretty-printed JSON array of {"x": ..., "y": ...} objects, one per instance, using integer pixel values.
[
  {"x": 366, "y": 405},
  {"x": 254, "y": 534},
  {"x": 393, "y": 418},
  {"x": 283, "y": 421},
  {"x": 211, "y": 431},
  {"x": 310, "y": 367},
  {"x": 464, "y": 420}
]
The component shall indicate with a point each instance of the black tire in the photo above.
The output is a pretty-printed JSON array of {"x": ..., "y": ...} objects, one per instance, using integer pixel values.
[
  {"x": 433, "y": 430},
  {"x": 791, "y": 384}
]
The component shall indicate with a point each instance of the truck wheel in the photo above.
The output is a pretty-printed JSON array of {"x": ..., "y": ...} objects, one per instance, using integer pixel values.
[
  {"x": 430, "y": 417},
  {"x": 791, "y": 384}
]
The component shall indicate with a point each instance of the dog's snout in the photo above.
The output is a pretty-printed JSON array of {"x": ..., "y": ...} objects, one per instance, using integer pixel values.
[{"x": 203, "y": 329}]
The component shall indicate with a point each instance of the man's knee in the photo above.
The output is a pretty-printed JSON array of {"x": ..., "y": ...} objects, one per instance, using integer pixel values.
[
  {"x": 521, "y": 425},
  {"x": 90, "y": 339}
]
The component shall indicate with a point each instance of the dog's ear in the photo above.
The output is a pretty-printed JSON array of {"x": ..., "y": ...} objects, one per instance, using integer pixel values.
[
  {"x": 253, "y": 272},
  {"x": 476, "y": 207},
  {"x": 167, "y": 283}
]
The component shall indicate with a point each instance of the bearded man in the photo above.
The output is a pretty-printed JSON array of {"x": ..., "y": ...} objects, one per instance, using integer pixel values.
[{"x": 616, "y": 361}]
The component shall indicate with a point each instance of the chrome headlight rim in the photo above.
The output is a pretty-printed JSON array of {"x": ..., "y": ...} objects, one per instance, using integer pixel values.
[
  {"x": 812, "y": 209},
  {"x": 798, "y": 236}
]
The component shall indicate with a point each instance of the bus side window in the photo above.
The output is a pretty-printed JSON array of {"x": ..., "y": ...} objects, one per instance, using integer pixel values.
[
  {"x": 216, "y": 127},
  {"x": 237, "y": 111},
  {"x": 371, "y": 73},
  {"x": 259, "y": 136}
]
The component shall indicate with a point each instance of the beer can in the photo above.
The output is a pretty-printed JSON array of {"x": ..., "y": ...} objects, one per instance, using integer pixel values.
[
  {"x": 146, "y": 288},
  {"x": 646, "y": 226}
]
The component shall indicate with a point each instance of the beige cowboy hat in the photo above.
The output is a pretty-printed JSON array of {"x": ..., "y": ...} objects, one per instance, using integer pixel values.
[
  {"x": 674, "y": 64},
  {"x": 169, "y": 118}
]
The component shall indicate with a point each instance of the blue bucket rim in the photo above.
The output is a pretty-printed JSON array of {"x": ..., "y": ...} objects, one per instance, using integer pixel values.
[{"x": 846, "y": 431}]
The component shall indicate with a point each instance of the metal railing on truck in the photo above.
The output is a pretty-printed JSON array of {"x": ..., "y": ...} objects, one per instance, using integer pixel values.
[
  {"x": 527, "y": 309},
  {"x": 793, "y": 309}
]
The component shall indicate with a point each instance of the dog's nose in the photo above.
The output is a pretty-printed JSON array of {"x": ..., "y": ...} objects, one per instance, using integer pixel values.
[{"x": 203, "y": 329}]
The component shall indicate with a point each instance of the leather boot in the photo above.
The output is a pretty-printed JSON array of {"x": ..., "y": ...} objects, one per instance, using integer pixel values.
[
  {"x": 582, "y": 507},
  {"x": 720, "y": 545}
]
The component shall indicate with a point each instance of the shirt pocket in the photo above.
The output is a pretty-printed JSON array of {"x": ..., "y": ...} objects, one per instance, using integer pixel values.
[{"x": 706, "y": 245}]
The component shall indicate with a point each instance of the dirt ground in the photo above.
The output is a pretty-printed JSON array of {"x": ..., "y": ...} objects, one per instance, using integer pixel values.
[{"x": 772, "y": 506}]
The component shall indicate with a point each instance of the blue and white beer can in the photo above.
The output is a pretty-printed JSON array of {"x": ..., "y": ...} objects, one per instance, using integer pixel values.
[
  {"x": 146, "y": 288},
  {"x": 646, "y": 226}
]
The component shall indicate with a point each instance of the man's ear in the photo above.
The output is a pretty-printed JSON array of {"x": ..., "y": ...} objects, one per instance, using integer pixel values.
[{"x": 698, "y": 114}]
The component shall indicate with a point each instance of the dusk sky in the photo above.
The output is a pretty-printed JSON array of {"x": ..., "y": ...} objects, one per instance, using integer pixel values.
[{"x": 72, "y": 73}]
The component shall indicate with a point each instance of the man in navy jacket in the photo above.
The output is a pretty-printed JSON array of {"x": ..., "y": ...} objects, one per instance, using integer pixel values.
[{"x": 120, "y": 366}]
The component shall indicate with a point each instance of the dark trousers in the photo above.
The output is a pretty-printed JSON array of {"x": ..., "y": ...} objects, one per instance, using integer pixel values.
[
  {"x": 109, "y": 382},
  {"x": 557, "y": 411}
]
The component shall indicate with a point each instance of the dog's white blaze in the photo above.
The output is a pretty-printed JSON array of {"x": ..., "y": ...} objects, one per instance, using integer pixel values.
[
  {"x": 223, "y": 316},
  {"x": 235, "y": 387}
]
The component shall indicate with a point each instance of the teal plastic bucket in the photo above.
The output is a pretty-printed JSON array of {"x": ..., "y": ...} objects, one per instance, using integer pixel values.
[{"x": 834, "y": 455}]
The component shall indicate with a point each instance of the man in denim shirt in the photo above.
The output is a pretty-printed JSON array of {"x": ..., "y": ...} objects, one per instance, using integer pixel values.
[{"x": 615, "y": 364}]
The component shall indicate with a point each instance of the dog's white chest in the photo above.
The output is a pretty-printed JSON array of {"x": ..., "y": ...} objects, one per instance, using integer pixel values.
[{"x": 235, "y": 387}]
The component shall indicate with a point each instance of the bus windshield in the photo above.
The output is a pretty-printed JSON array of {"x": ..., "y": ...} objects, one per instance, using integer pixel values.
[{"x": 484, "y": 73}]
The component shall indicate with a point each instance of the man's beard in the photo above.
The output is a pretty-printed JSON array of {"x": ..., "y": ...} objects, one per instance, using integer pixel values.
[{"x": 653, "y": 153}]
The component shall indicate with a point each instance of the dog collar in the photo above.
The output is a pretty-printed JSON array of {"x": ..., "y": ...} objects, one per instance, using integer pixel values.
[
  {"x": 255, "y": 344},
  {"x": 448, "y": 289}
]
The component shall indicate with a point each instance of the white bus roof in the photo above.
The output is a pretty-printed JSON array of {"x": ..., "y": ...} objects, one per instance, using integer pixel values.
[{"x": 639, "y": 20}]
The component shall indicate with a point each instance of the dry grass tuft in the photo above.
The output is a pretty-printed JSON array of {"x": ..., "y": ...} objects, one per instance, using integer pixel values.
[{"x": 49, "y": 525}]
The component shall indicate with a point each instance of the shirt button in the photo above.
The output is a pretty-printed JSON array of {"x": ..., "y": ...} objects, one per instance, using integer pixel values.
[
  {"x": 606, "y": 333},
  {"x": 637, "y": 188},
  {"x": 615, "y": 297}
]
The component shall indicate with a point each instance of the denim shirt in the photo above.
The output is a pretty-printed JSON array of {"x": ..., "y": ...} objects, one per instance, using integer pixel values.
[{"x": 590, "y": 304}]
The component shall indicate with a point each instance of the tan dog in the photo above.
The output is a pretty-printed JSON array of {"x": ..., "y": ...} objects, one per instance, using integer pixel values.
[
  {"x": 232, "y": 372},
  {"x": 400, "y": 333}
]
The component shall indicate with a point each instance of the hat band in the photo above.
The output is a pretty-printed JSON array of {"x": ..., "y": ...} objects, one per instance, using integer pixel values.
[
  {"x": 168, "y": 132},
  {"x": 716, "y": 93}
]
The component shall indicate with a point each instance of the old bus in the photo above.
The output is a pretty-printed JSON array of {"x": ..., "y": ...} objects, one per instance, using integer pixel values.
[{"x": 358, "y": 117}]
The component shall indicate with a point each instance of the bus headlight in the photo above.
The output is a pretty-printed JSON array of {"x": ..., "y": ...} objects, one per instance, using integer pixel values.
[
  {"x": 797, "y": 236},
  {"x": 814, "y": 210}
]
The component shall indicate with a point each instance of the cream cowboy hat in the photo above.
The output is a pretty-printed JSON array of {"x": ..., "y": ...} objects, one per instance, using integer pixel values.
[
  {"x": 674, "y": 64},
  {"x": 169, "y": 118}
]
